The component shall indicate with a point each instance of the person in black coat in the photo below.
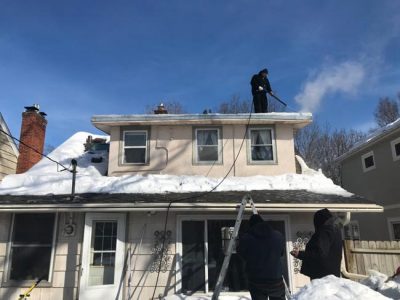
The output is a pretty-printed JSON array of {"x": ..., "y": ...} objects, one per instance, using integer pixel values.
[
  {"x": 260, "y": 86},
  {"x": 261, "y": 248},
  {"x": 323, "y": 253}
]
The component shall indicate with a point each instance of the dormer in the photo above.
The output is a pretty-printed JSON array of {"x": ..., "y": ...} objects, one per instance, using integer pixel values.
[{"x": 202, "y": 144}]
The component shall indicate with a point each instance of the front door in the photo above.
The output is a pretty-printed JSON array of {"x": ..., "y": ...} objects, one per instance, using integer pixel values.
[{"x": 103, "y": 256}]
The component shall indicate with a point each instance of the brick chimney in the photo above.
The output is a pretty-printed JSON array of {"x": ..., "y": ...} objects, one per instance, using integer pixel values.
[{"x": 33, "y": 130}]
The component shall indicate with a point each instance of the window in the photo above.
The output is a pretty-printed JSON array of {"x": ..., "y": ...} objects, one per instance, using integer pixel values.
[
  {"x": 261, "y": 146},
  {"x": 102, "y": 253},
  {"x": 31, "y": 246},
  {"x": 394, "y": 228},
  {"x": 368, "y": 161},
  {"x": 135, "y": 147},
  {"x": 352, "y": 231},
  {"x": 202, "y": 254},
  {"x": 208, "y": 145},
  {"x": 395, "y": 144}
]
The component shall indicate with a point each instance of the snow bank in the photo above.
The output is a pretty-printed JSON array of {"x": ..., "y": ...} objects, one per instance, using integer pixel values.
[
  {"x": 184, "y": 297},
  {"x": 45, "y": 178},
  {"x": 378, "y": 282},
  {"x": 334, "y": 288}
]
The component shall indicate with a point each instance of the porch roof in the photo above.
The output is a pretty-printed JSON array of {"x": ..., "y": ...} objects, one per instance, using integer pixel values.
[{"x": 265, "y": 200}]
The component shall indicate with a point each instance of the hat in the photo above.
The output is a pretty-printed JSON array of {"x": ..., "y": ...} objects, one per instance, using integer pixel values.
[
  {"x": 321, "y": 216},
  {"x": 264, "y": 71},
  {"x": 255, "y": 219}
]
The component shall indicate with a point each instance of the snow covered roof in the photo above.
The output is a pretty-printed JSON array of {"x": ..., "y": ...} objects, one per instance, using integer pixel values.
[
  {"x": 105, "y": 122},
  {"x": 371, "y": 139},
  {"x": 45, "y": 180},
  {"x": 4, "y": 127}
]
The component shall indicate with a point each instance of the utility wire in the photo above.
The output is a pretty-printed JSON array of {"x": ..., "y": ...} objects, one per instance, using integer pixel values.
[
  {"x": 198, "y": 196},
  {"x": 42, "y": 154}
]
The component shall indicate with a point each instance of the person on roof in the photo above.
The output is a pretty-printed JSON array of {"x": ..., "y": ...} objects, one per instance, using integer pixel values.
[
  {"x": 260, "y": 86},
  {"x": 261, "y": 247},
  {"x": 323, "y": 253}
]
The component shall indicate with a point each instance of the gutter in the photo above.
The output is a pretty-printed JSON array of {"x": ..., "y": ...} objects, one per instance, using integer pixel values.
[{"x": 187, "y": 207}]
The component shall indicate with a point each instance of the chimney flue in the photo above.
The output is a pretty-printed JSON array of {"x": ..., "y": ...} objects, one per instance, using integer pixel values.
[
  {"x": 33, "y": 131},
  {"x": 161, "y": 110}
]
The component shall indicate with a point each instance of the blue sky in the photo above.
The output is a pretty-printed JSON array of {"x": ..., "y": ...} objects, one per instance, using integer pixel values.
[{"x": 81, "y": 58}]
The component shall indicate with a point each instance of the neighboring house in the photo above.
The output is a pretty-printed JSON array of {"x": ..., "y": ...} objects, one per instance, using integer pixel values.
[
  {"x": 174, "y": 181},
  {"x": 372, "y": 169},
  {"x": 8, "y": 151}
]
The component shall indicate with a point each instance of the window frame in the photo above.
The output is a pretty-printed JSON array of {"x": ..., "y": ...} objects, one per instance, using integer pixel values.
[
  {"x": 178, "y": 266},
  {"x": 7, "y": 271},
  {"x": 365, "y": 156},
  {"x": 390, "y": 222},
  {"x": 146, "y": 147},
  {"x": 250, "y": 161},
  {"x": 219, "y": 147},
  {"x": 393, "y": 147}
]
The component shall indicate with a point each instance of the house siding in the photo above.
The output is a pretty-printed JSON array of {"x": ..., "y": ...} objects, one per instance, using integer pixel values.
[
  {"x": 380, "y": 185},
  {"x": 8, "y": 159},
  {"x": 171, "y": 152}
]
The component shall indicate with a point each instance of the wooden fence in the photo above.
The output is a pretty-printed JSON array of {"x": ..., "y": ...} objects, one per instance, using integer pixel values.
[{"x": 361, "y": 256}]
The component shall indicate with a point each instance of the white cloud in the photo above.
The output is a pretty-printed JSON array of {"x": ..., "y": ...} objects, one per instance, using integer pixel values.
[{"x": 345, "y": 77}]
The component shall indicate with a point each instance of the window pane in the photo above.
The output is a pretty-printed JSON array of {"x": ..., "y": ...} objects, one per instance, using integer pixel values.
[
  {"x": 101, "y": 270},
  {"x": 207, "y": 153},
  {"x": 262, "y": 153},
  {"x": 396, "y": 230},
  {"x": 135, "y": 155},
  {"x": 397, "y": 149},
  {"x": 369, "y": 161},
  {"x": 193, "y": 276},
  {"x": 28, "y": 263},
  {"x": 261, "y": 137},
  {"x": 33, "y": 229},
  {"x": 207, "y": 137},
  {"x": 135, "y": 139}
]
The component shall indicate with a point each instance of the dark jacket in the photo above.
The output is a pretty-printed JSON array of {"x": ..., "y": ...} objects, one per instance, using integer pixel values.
[
  {"x": 323, "y": 252},
  {"x": 261, "y": 248},
  {"x": 258, "y": 80}
]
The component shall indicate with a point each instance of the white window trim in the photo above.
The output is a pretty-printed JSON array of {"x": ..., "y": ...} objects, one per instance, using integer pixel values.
[
  {"x": 390, "y": 221},
  {"x": 363, "y": 157},
  {"x": 9, "y": 246},
  {"x": 196, "y": 156},
  {"x": 205, "y": 218},
  {"x": 261, "y": 162},
  {"x": 135, "y": 147},
  {"x": 392, "y": 144}
]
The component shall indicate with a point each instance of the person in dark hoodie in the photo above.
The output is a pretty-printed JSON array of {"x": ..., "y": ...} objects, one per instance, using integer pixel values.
[
  {"x": 261, "y": 248},
  {"x": 260, "y": 86},
  {"x": 323, "y": 253}
]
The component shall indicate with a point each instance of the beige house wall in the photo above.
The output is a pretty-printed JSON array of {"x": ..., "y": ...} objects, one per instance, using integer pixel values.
[
  {"x": 140, "y": 242},
  {"x": 8, "y": 159},
  {"x": 171, "y": 152},
  {"x": 64, "y": 283}
]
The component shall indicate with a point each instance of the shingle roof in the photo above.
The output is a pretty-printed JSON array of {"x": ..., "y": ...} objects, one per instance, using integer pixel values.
[{"x": 267, "y": 199}]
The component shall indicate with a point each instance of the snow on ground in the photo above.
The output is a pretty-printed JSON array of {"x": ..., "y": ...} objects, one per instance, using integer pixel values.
[
  {"x": 379, "y": 282},
  {"x": 327, "y": 288},
  {"x": 45, "y": 178},
  {"x": 334, "y": 288}
]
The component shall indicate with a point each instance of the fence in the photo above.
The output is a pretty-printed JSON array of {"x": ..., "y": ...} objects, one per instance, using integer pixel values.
[{"x": 361, "y": 256}]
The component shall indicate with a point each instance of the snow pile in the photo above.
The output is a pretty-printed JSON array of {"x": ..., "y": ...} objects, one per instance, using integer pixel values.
[
  {"x": 44, "y": 178},
  {"x": 379, "y": 282},
  {"x": 334, "y": 288}
]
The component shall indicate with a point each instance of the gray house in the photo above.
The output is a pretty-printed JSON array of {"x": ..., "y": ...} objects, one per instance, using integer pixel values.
[{"x": 372, "y": 169}]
